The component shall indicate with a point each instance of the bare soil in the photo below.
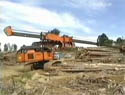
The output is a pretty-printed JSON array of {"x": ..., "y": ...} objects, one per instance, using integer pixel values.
[{"x": 96, "y": 79}]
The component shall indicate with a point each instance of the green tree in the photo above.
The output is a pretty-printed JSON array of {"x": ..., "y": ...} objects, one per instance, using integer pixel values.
[
  {"x": 5, "y": 47},
  {"x": 10, "y": 47},
  {"x": 108, "y": 42},
  {"x": 120, "y": 41},
  {"x": 55, "y": 31},
  {"x": 102, "y": 39},
  {"x": 0, "y": 47},
  {"x": 14, "y": 47}
]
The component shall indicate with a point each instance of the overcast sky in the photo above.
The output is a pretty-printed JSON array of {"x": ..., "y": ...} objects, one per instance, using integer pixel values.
[{"x": 82, "y": 19}]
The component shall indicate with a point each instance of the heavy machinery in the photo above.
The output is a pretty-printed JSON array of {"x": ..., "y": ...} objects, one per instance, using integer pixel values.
[{"x": 41, "y": 54}]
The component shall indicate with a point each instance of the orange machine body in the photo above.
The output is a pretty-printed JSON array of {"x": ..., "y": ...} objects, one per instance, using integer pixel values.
[
  {"x": 48, "y": 36},
  {"x": 9, "y": 31},
  {"x": 42, "y": 51},
  {"x": 62, "y": 39},
  {"x": 32, "y": 56},
  {"x": 65, "y": 41}
]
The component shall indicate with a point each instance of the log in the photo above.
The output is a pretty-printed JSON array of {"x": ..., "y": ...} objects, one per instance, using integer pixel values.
[
  {"x": 96, "y": 49},
  {"x": 44, "y": 90},
  {"x": 81, "y": 70},
  {"x": 98, "y": 53},
  {"x": 87, "y": 70},
  {"x": 103, "y": 49}
]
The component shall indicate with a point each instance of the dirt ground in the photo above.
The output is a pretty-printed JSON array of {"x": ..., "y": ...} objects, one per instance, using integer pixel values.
[{"x": 92, "y": 79}]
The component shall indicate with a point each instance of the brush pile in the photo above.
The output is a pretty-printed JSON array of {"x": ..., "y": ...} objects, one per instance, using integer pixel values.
[{"x": 100, "y": 54}]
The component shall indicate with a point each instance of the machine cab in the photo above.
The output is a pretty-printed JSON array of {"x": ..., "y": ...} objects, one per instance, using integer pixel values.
[{"x": 30, "y": 54}]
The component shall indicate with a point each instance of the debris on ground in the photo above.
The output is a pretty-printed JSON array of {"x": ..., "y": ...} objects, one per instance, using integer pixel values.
[{"x": 87, "y": 71}]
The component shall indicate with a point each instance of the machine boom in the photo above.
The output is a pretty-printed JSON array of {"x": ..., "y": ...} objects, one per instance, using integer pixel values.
[{"x": 11, "y": 32}]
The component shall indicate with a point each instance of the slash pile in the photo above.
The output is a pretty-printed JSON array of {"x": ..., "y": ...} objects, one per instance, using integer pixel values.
[{"x": 100, "y": 54}]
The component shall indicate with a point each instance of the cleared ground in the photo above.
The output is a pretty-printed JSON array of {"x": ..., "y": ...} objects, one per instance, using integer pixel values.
[{"x": 78, "y": 78}]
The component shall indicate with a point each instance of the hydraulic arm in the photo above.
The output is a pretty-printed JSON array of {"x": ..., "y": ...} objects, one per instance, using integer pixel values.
[{"x": 46, "y": 36}]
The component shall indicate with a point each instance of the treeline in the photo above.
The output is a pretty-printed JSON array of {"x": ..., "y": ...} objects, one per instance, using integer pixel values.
[
  {"x": 8, "y": 47},
  {"x": 103, "y": 40}
]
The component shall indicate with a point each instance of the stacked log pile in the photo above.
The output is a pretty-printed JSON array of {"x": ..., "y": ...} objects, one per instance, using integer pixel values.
[{"x": 100, "y": 54}]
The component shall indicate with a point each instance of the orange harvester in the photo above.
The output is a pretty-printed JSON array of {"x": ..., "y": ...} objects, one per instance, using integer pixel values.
[{"x": 41, "y": 52}]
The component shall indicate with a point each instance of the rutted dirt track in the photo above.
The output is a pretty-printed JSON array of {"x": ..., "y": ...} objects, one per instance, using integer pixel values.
[{"x": 95, "y": 78}]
